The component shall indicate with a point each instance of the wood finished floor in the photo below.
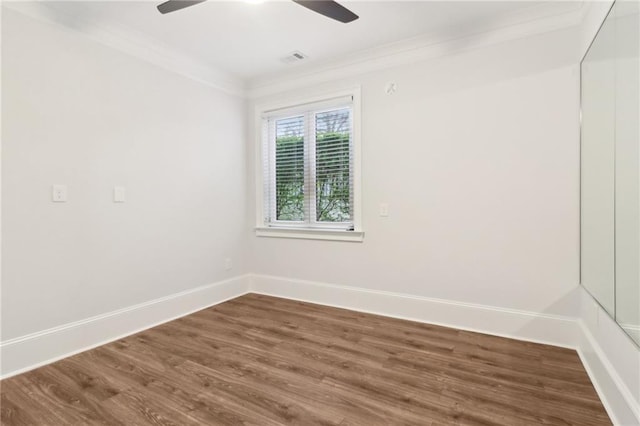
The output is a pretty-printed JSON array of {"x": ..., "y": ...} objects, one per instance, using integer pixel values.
[{"x": 259, "y": 360}]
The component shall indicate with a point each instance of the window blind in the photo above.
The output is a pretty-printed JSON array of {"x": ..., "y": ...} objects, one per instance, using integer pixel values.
[{"x": 308, "y": 166}]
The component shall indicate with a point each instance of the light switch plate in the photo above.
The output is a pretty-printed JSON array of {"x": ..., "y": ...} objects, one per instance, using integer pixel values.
[
  {"x": 118, "y": 194},
  {"x": 59, "y": 193}
]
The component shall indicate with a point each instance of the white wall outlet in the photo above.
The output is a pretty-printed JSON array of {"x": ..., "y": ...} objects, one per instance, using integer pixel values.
[
  {"x": 228, "y": 264},
  {"x": 59, "y": 193},
  {"x": 384, "y": 210},
  {"x": 118, "y": 194}
]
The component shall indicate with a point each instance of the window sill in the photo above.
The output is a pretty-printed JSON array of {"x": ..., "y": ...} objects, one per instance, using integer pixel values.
[{"x": 310, "y": 234}]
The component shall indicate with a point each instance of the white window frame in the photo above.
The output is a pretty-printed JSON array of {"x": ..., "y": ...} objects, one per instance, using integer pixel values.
[{"x": 298, "y": 229}]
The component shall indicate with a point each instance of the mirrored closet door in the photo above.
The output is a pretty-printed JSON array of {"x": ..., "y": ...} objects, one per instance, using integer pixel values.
[{"x": 610, "y": 164}]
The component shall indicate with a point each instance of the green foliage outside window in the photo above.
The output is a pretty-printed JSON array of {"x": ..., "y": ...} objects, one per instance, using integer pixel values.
[
  {"x": 333, "y": 202},
  {"x": 332, "y": 177},
  {"x": 290, "y": 178}
]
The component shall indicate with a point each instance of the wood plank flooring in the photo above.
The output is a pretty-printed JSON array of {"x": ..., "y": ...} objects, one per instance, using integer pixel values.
[{"x": 259, "y": 360}]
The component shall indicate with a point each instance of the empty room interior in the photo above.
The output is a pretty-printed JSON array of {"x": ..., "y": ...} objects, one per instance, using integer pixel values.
[{"x": 294, "y": 212}]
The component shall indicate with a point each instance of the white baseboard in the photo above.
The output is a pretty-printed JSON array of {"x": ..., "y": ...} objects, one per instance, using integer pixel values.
[
  {"x": 34, "y": 350},
  {"x": 633, "y": 330},
  {"x": 618, "y": 400},
  {"x": 540, "y": 328}
]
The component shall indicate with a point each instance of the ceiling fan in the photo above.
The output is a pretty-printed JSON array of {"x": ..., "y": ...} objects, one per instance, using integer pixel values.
[{"x": 328, "y": 8}]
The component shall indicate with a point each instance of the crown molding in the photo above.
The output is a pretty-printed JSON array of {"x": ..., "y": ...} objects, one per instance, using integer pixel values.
[
  {"x": 524, "y": 23},
  {"x": 134, "y": 44}
]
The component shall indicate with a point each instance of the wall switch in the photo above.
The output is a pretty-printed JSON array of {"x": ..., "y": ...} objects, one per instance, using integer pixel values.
[
  {"x": 59, "y": 193},
  {"x": 384, "y": 209},
  {"x": 118, "y": 194},
  {"x": 228, "y": 264}
]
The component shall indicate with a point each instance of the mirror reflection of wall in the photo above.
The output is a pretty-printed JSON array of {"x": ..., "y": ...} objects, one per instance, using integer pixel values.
[
  {"x": 610, "y": 165},
  {"x": 598, "y": 89},
  {"x": 627, "y": 177}
]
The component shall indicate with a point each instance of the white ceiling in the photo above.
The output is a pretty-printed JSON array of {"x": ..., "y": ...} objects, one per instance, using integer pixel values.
[{"x": 249, "y": 40}]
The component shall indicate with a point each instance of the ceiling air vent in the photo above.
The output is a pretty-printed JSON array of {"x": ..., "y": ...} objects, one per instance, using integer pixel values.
[{"x": 294, "y": 57}]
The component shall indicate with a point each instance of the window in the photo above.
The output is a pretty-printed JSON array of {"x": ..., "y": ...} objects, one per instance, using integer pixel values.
[{"x": 309, "y": 176}]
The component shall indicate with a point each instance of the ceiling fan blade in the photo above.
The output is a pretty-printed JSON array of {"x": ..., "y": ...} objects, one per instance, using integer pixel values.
[
  {"x": 330, "y": 9},
  {"x": 173, "y": 5}
]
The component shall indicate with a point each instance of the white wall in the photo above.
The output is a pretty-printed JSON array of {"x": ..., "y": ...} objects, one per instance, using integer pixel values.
[
  {"x": 78, "y": 113},
  {"x": 477, "y": 156}
]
